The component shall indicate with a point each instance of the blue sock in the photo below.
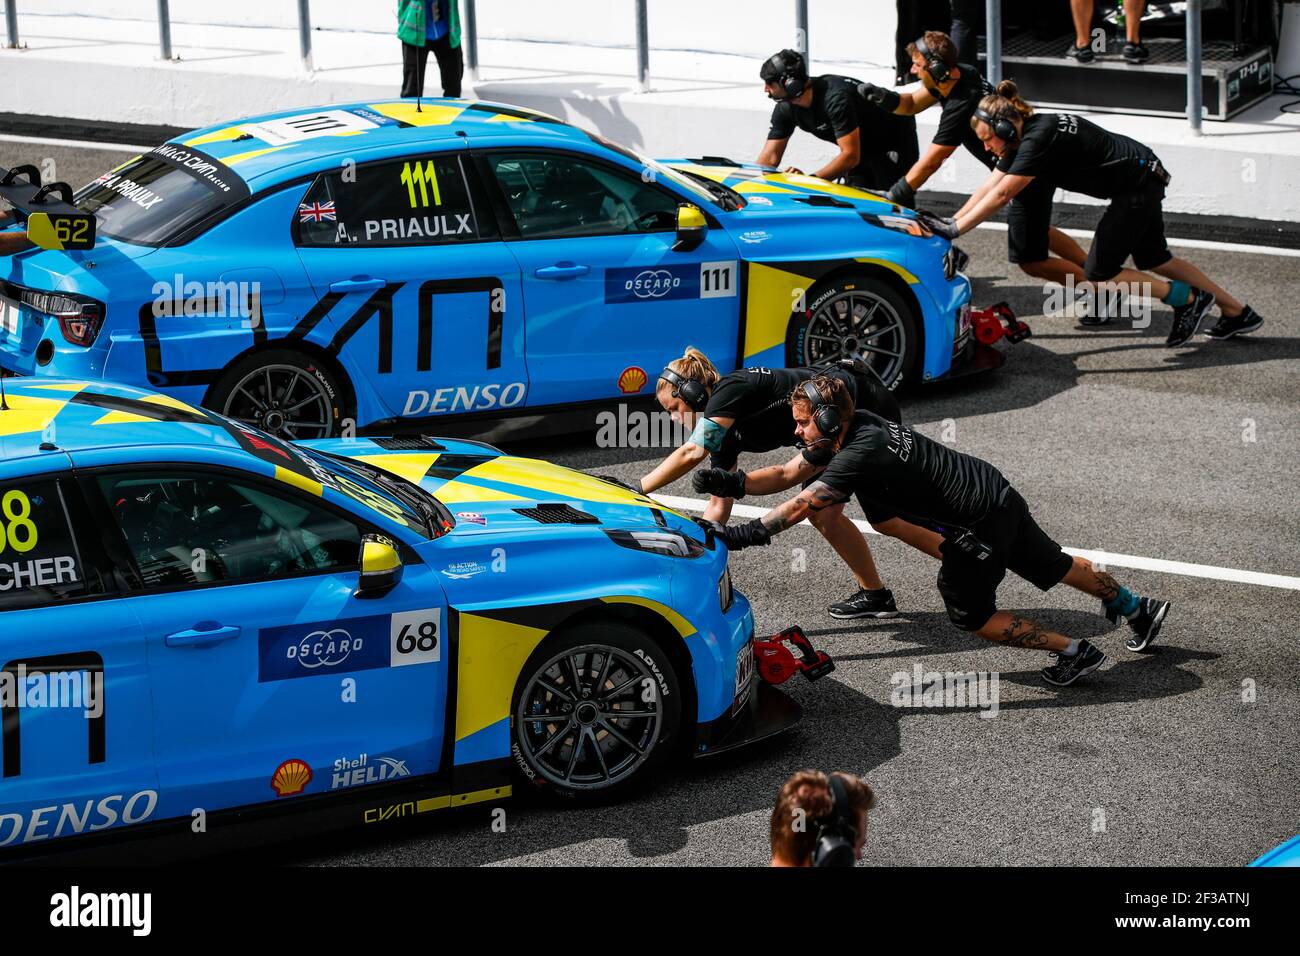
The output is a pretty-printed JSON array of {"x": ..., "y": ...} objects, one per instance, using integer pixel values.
[
  {"x": 1124, "y": 603},
  {"x": 1179, "y": 294}
]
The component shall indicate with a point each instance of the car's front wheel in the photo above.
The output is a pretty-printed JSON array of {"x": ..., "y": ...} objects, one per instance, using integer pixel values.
[
  {"x": 859, "y": 317},
  {"x": 284, "y": 392},
  {"x": 597, "y": 711}
]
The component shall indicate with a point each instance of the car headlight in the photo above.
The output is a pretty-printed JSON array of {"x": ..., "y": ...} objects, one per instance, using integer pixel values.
[
  {"x": 954, "y": 261},
  {"x": 725, "y": 594},
  {"x": 668, "y": 543}
]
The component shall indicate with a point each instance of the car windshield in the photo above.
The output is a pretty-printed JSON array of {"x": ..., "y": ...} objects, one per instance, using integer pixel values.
[
  {"x": 652, "y": 168},
  {"x": 387, "y": 493},
  {"x": 147, "y": 200}
]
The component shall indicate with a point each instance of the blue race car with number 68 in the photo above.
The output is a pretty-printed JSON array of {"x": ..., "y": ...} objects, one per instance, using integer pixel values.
[
  {"x": 196, "y": 615},
  {"x": 392, "y": 263}
]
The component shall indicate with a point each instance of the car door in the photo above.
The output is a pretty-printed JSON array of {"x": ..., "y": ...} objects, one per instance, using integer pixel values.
[
  {"x": 74, "y": 686},
  {"x": 604, "y": 291},
  {"x": 271, "y": 677},
  {"x": 422, "y": 298}
]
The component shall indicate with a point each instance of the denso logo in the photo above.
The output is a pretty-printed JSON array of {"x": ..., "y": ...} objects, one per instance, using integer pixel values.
[
  {"x": 652, "y": 283},
  {"x": 323, "y": 648}
]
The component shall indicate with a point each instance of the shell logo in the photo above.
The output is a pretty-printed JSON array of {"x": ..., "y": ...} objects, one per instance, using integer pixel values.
[
  {"x": 290, "y": 778},
  {"x": 632, "y": 379}
]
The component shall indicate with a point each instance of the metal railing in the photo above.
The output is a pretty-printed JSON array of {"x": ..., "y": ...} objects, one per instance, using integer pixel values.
[{"x": 469, "y": 42}]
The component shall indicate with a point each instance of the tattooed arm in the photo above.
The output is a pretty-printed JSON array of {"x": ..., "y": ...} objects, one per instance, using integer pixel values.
[{"x": 811, "y": 500}]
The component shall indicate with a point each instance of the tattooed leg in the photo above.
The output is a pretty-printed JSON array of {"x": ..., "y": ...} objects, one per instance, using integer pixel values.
[
  {"x": 1012, "y": 630},
  {"x": 1086, "y": 578}
]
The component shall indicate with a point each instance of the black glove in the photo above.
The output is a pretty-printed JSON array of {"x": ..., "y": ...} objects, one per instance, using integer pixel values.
[
  {"x": 941, "y": 226},
  {"x": 744, "y": 535},
  {"x": 622, "y": 484},
  {"x": 886, "y": 99},
  {"x": 710, "y": 527},
  {"x": 718, "y": 481},
  {"x": 902, "y": 193}
]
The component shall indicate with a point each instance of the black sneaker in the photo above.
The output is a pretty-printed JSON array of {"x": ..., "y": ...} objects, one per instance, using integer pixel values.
[
  {"x": 1067, "y": 670},
  {"x": 1226, "y": 328},
  {"x": 1187, "y": 318},
  {"x": 1093, "y": 310},
  {"x": 866, "y": 604},
  {"x": 1080, "y": 54},
  {"x": 1146, "y": 623},
  {"x": 1136, "y": 53}
]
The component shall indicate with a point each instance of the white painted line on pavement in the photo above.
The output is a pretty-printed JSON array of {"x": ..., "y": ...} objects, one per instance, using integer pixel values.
[
  {"x": 1189, "y": 243},
  {"x": 79, "y": 143},
  {"x": 1098, "y": 557}
]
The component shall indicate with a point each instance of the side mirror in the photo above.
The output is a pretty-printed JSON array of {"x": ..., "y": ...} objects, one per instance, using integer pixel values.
[
  {"x": 381, "y": 566},
  {"x": 691, "y": 228}
]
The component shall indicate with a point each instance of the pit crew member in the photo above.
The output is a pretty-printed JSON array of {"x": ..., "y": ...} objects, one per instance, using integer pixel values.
[
  {"x": 986, "y": 526},
  {"x": 1075, "y": 154},
  {"x": 749, "y": 410},
  {"x": 875, "y": 147}
]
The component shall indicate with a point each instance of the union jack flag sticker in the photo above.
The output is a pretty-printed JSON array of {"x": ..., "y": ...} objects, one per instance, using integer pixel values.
[{"x": 317, "y": 212}]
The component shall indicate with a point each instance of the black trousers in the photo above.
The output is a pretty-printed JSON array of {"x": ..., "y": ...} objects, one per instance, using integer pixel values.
[{"x": 450, "y": 67}]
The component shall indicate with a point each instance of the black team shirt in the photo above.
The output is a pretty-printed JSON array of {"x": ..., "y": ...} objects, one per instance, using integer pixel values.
[
  {"x": 895, "y": 471},
  {"x": 1076, "y": 154},
  {"x": 759, "y": 401},
  {"x": 958, "y": 107}
]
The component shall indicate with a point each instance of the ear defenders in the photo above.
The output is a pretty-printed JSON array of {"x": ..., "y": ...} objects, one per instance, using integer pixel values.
[
  {"x": 934, "y": 64},
  {"x": 693, "y": 393},
  {"x": 838, "y": 832},
  {"x": 825, "y": 415},
  {"x": 1003, "y": 128},
  {"x": 788, "y": 71}
]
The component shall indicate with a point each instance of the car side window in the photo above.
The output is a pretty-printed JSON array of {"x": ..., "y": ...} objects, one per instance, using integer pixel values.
[
  {"x": 198, "y": 529},
  {"x": 415, "y": 201},
  {"x": 554, "y": 196},
  {"x": 40, "y": 561}
]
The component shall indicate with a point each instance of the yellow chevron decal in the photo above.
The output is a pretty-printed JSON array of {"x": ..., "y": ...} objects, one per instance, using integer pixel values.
[
  {"x": 751, "y": 186},
  {"x": 892, "y": 267},
  {"x": 824, "y": 186},
  {"x": 770, "y": 300},
  {"x": 551, "y": 479},
  {"x": 684, "y": 627},
  {"x": 217, "y": 136},
  {"x": 413, "y": 467},
  {"x": 430, "y": 114},
  {"x": 119, "y": 417},
  {"x": 252, "y": 153},
  {"x": 28, "y": 413},
  {"x": 462, "y": 492},
  {"x": 492, "y": 653},
  {"x": 63, "y": 386},
  {"x": 298, "y": 481}
]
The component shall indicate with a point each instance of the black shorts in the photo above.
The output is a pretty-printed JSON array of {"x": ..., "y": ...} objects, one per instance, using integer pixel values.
[
  {"x": 1029, "y": 219},
  {"x": 1133, "y": 225},
  {"x": 969, "y": 586}
]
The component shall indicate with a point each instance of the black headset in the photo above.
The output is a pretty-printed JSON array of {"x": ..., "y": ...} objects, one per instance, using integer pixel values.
[
  {"x": 690, "y": 391},
  {"x": 939, "y": 70},
  {"x": 1003, "y": 128},
  {"x": 837, "y": 832},
  {"x": 825, "y": 415},
  {"x": 788, "y": 70}
]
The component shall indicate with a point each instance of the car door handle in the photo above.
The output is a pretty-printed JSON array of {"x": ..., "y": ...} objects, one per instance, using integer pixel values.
[
  {"x": 357, "y": 284},
  {"x": 562, "y": 270},
  {"x": 202, "y": 634}
]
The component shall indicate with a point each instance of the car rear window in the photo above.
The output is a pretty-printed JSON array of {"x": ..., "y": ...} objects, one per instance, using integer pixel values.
[{"x": 148, "y": 199}]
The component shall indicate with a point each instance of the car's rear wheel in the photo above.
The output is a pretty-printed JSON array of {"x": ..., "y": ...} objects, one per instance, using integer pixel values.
[
  {"x": 597, "y": 711},
  {"x": 284, "y": 392},
  {"x": 859, "y": 317}
]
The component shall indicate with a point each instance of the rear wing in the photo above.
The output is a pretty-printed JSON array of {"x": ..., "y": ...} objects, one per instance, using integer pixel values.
[{"x": 53, "y": 222}]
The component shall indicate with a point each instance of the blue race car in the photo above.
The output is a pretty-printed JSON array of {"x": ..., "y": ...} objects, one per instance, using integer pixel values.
[
  {"x": 198, "y": 617},
  {"x": 384, "y": 264}
]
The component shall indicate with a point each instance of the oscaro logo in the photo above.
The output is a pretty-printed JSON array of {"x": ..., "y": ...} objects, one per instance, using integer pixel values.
[
  {"x": 652, "y": 284},
  {"x": 323, "y": 648}
]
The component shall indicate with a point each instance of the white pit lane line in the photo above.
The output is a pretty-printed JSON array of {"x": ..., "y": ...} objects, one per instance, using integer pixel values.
[
  {"x": 1106, "y": 558},
  {"x": 77, "y": 143},
  {"x": 1186, "y": 243}
]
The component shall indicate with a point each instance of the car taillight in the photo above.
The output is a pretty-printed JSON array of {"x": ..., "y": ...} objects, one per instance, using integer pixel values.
[{"x": 81, "y": 329}]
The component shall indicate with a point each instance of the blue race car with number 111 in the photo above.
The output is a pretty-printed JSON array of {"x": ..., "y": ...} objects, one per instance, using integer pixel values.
[{"x": 391, "y": 264}]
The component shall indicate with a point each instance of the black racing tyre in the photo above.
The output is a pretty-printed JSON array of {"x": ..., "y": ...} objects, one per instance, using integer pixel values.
[
  {"x": 596, "y": 712},
  {"x": 859, "y": 316},
  {"x": 284, "y": 392}
]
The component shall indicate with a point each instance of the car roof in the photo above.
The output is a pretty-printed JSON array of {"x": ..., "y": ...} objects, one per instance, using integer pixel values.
[
  {"x": 78, "y": 416},
  {"x": 270, "y": 148}
]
